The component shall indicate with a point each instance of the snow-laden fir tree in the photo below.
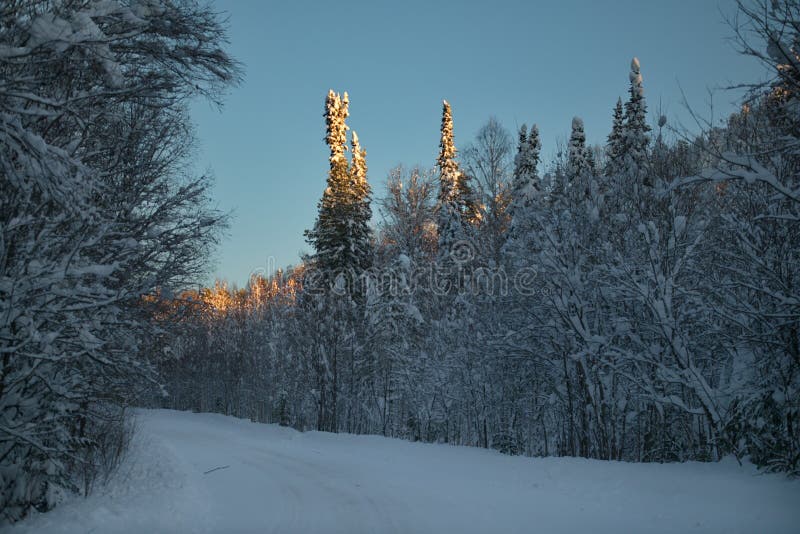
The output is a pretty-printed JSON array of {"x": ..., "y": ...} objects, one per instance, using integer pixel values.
[
  {"x": 343, "y": 251},
  {"x": 525, "y": 193},
  {"x": 591, "y": 159},
  {"x": 615, "y": 146},
  {"x": 564, "y": 239},
  {"x": 573, "y": 179},
  {"x": 358, "y": 167},
  {"x": 341, "y": 236},
  {"x": 526, "y": 184},
  {"x": 332, "y": 255},
  {"x": 579, "y": 161},
  {"x": 362, "y": 210},
  {"x": 446, "y": 161},
  {"x": 636, "y": 138},
  {"x": 449, "y": 220},
  {"x": 526, "y": 160}
]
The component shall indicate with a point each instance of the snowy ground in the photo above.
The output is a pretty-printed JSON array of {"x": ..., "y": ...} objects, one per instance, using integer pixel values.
[{"x": 282, "y": 481}]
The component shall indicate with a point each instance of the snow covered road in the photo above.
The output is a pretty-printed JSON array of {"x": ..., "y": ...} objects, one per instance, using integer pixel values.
[{"x": 274, "y": 479}]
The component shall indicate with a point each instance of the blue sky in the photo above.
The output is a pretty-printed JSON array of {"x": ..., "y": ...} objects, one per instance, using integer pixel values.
[{"x": 520, "y": 61}]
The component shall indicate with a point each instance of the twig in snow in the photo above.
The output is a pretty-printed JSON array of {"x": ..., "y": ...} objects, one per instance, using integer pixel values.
[{"x": 216, "y": 469}]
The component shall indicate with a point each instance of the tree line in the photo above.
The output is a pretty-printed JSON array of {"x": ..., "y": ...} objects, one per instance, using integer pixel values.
[{"x": 636, "y": 301}]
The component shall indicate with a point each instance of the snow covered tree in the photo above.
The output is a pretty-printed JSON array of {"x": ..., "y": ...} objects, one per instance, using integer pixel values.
[
  {"x": 755, "y": 177},
  {"x": 636, "y": 138},
  {"x": 98, "y": 217},
  {"x": 358, "y": 173},
  {"x": 406, "y": 299},
  {"x": 449, "y": 218},
  {"x": 577, "y": 155},
  {"x": 526, "y": 162},
  {"x": 341, "y": 236},
  {"x": 343, "y": 252},
  {"x": 526, "y": 192},
  {"x": 579, "y": 161},
  {"x": 361, "y": 207},
  {"x": 395, "y": 331},
  {"x": 615, "y": 145}
]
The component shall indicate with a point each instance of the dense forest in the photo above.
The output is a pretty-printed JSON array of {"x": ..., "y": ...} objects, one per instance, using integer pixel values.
[{"x": 635, "y": 301}]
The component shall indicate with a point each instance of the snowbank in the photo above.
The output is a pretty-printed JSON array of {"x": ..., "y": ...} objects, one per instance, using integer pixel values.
[{"x": 271, "y": 479}]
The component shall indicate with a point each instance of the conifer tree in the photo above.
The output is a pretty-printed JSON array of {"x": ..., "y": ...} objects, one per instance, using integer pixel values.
[
  {"x": 615, "y": 145},
  {"x": 362, "y": 211},
  {"x": 446, "y": 161},
  {"x": 591, "y": 161},
  {"x": 579, "y": 162},
  {"x": 522, "y": 141},
  {"x": 534, "y": 150},
  {"x": 525, "y": 191},
  {"x": 579, "y": 159},
  {"x": 449, "y": 211},
  {"x": 525, "y": 179},
  {"x": 341, "y": 235},
  {"x": 342, "y": 252},
  {"x": 358, "y": 166},
  {"x": 635, "y": 132}
]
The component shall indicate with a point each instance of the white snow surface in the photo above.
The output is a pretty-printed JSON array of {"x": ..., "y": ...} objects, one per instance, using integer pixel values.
[{"x": 283, "y": 481}]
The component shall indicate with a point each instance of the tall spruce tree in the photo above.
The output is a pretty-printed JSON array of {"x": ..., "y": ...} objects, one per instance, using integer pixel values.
[
  {"x": 636, "y": 136},
  {"x": 446, "y": 161},
  {"x": 615, "y": 145},
  {"x": 579, "y": 159},
  {"x": 525, "y": 180},
  {"x": 449, "y": 223},
  {"x": 341, "y": 235},
  {"x": 525, "y": 192},
  {"x": 579, "y": 162},
  {"x": 342, "y": 252},
  {"x": 362, "y": 211}
]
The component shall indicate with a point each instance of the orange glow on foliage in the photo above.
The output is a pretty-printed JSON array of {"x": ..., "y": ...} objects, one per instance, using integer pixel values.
[{"x": 221, "y": 299}]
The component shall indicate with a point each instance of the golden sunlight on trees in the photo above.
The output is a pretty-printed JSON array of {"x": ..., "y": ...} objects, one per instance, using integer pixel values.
[{"x": 261, "y": 291}]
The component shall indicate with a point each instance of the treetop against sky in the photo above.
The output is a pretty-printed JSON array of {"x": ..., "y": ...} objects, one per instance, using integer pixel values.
[{"x": 522, "y": 62}]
